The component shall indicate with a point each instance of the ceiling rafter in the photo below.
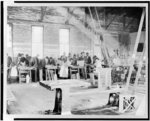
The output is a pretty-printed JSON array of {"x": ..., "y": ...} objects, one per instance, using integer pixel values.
[
  {"x": 129, "y": 23},
  {"x": 43, "y": 12},
  {"x": 107, "y": 26},
  {"x": 69, "y": 16}
]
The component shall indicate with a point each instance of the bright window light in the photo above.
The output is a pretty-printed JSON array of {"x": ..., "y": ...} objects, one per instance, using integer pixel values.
[
  {"x": 64, "y": 41},
  {"x": 37, "y": 41},
  {"x": 9, "y": 37}
]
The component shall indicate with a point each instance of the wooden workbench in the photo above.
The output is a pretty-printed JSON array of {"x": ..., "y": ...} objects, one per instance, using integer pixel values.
[{"x": 65, "y": 86}]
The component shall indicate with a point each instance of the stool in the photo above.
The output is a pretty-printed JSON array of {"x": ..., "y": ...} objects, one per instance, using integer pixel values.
[
  {"x": 74, "y": 71},
  {"x": 23, "y": 72}
]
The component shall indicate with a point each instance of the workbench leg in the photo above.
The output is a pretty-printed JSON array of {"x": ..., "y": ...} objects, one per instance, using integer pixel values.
[
  {"x": 85, "y": 71},
  {"x": 45, "y": 74},
  {"x": 78, "y": 74},
  {"x": 58, "y": 101},
  {"x": 30, "y": 76},
  {"x": 49, "y": 75},
  {"x": 62, "y": 102},
  {"x": 55, "y": 76},
  {"x": 19, "y": 77},
  {"x": 99, "y": 81},
  {"x": 35, "y": 75}
]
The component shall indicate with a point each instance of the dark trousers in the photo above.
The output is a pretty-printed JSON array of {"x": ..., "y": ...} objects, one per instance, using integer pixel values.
[
  {"x": 35, "y": 75},
  {"x": 42, "y": 74}
]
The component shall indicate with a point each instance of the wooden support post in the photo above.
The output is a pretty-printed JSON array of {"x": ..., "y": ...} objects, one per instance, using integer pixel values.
[
  {"x": 92, "y": 17},
  {"x": 138, "y": 72},
  {"x": 99, "y": 25},
  {"x": 103, "y": 46},
  {"x": 143, "y": 108},
  {"x": 146, "y": 64},
  {"x": 135, "y": 48},
  {"x": 94, "y": 27},
  {"x": 98, "y": 18}
]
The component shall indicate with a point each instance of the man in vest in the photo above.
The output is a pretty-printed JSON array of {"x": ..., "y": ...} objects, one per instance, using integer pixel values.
[{"x": 88, "y": 62}]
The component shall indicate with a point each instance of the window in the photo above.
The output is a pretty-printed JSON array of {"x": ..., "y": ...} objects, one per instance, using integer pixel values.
[
  {"x": 64, "y": 41},
  {"x": 9, "y": 42},
  {"x": 9, "y": 37},
  {"x": 37, "y": 41}
]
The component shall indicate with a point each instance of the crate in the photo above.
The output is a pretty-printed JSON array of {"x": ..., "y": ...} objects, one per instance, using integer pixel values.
[{"x": 126, "y": 102}]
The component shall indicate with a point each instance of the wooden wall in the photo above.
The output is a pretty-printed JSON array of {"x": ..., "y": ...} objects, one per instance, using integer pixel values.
[
  {"x": 23, "y": 18},
  {"x": 22, "y": 38}
]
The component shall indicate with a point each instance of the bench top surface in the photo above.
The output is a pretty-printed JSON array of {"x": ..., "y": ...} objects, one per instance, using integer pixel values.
[
  {"x": 26, "y": 68},
  {"x": 51, "y": 67},
  {"x": 65, "y": 83}
]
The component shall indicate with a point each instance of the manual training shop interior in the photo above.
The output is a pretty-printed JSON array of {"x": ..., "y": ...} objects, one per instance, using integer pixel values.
[{"x": 76, "y": 60}]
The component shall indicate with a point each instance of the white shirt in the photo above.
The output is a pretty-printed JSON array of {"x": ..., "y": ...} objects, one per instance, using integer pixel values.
[{"x": 14, "y": 71}]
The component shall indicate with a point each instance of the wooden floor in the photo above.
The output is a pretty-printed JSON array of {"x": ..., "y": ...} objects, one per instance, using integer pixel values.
[{"x": 33, "y": 98}]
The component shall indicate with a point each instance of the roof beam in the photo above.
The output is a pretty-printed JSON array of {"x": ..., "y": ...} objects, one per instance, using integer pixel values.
[
  {"x": 111, "y": 21},
  {"x": 133, "y": 19},
  {"x": 43, "y": 12},
  {"x": 69, "y": 16},
  {"x": 115, "y": 10}
]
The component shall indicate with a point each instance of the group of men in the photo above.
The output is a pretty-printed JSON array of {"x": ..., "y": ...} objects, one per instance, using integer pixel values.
[{"x": 40, "y": 64}]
